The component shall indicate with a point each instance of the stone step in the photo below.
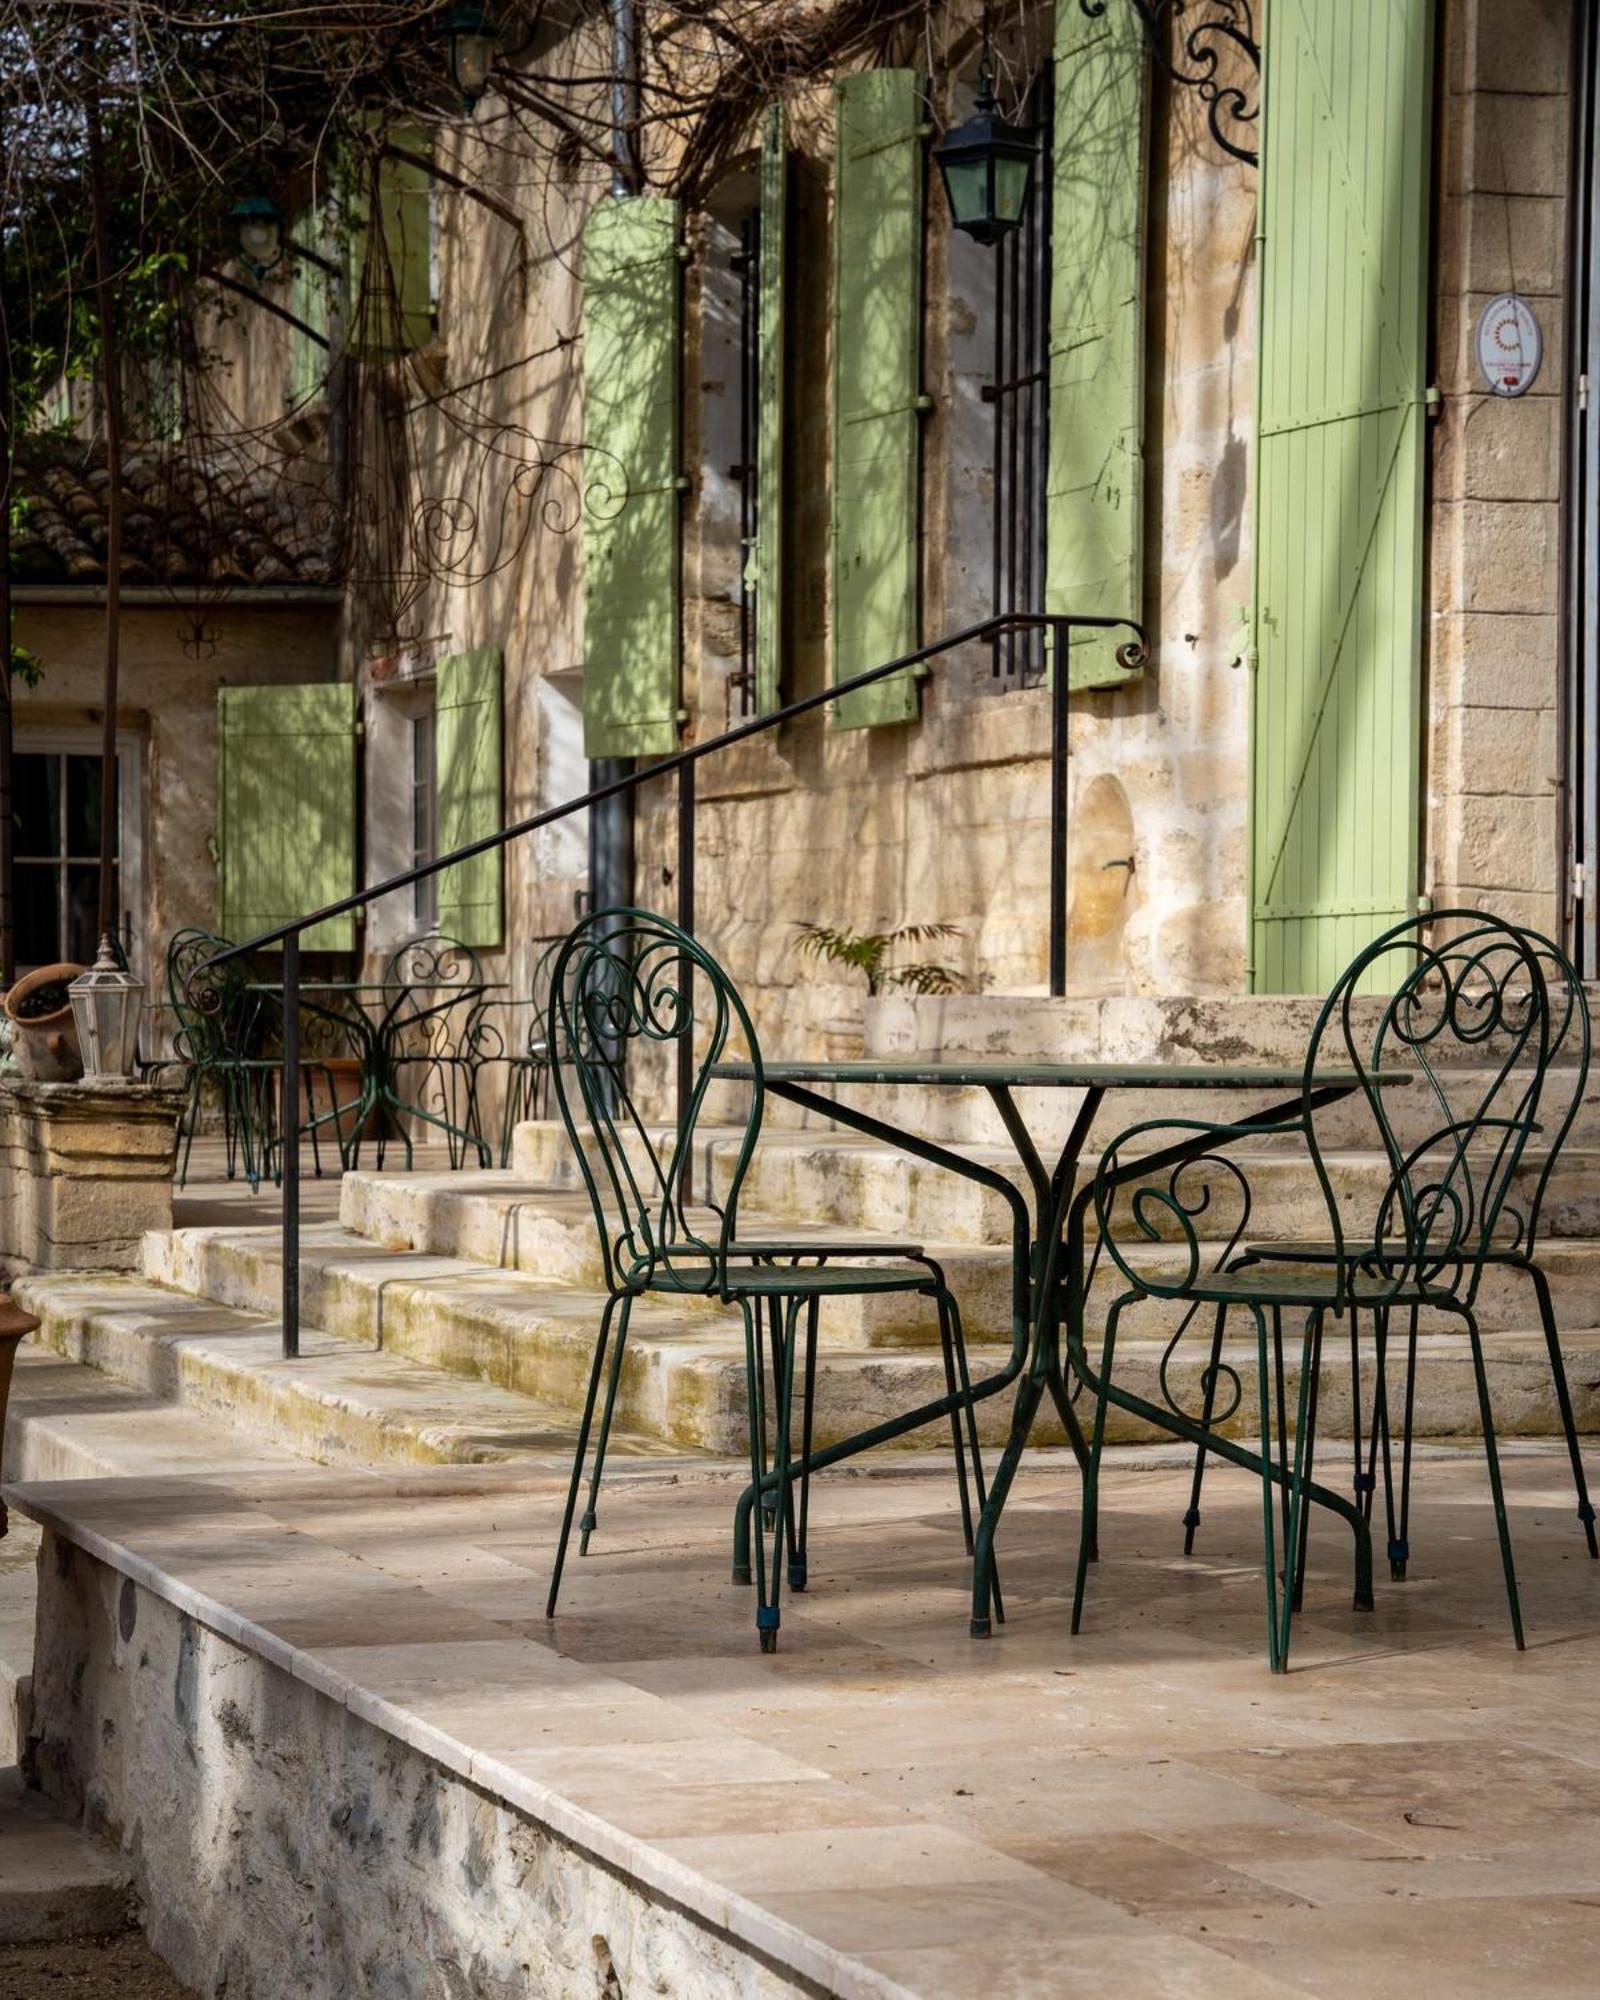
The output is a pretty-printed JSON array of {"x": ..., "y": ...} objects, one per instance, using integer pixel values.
[
  {"x": 498, "y": 1218},
  {"x": 56, "y": 1883},
  {"x": 857, "y": 1183},
  {"x": 1217, "y": 1028},
  {"x": 19, "y": 1594},
  {"x": 957, "y": 1115},
  {"x": 434, "y": 1249},
  {"x": 683, "y": 1382},
  {"x": 336, "y": 1403}
]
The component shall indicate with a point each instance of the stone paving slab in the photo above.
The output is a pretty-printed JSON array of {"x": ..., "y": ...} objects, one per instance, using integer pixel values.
[{"x": 886, "y": 1805}]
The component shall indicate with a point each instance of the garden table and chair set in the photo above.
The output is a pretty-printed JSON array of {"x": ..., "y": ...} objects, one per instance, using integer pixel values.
[
  {"x": 1457, "y": 1044},
  {"x": 383, "y": 1062}
]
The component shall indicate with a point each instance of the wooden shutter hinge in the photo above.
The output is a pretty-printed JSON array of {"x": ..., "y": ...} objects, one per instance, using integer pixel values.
[
  {"x": 1583, "y": 392},
  {"x": 1433, "y": 402}
]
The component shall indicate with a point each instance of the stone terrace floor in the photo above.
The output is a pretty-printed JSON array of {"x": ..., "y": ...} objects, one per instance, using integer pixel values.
[{"x": 1140, "y": 1811}]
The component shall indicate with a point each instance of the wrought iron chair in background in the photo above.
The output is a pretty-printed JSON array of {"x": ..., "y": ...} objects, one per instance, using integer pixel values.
[
  {"x": 626, "y": 988},
  {"x": 1423, "y": 1245},
  {"x": 432, "y": 1040},
  {"x": 229, "y": 1038},
  {"x": 1451, "y": 1096}
]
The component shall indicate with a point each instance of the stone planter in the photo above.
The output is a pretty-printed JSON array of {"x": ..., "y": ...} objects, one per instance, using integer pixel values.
[
  {"x": 15, "y": 1326},
  {"x": 45, "y": 1045}
]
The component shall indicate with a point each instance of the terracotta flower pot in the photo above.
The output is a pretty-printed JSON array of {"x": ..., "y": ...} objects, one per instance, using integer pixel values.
[
  {"x": 15, "y": 1326},
  {"x": 45, "y": 1045}
]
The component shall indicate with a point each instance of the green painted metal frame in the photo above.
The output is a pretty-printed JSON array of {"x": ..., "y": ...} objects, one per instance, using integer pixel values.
[
  {"x": 1048, "y": 1291},
  {"x": 627, "y": 979},
  {"x": 1479, "y": 984}
]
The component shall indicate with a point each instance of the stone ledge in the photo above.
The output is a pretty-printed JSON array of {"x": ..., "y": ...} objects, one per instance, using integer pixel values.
[
  {"x": 85, "y": 1169},
  {"x": 549, "y": 1881}
]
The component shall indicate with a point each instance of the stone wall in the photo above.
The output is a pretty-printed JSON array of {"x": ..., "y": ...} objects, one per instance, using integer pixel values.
[
  {"x": 946, "y": 820},
  {"x": 168, "y": 703},
  {"x": 85, "y": 1170},
  {"x": 284, "y": 1845},
  {"x": 1494, "y": 808}
]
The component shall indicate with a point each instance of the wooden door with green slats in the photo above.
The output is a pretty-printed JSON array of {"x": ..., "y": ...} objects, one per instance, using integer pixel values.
[
  {"x": 631, "y": 477},
  {"x": 1340, "y": 410},
  {"x": 877, "y": 382},
  {"x": 286, "y": 809},
  {"x": 467, "y": 710}
]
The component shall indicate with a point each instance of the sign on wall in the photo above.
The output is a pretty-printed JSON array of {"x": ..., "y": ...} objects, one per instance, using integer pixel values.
[{"x": 1510, "y": 345}]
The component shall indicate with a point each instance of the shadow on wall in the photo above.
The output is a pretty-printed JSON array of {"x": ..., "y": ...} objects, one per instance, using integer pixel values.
[{"x": 1101, "y": 892}]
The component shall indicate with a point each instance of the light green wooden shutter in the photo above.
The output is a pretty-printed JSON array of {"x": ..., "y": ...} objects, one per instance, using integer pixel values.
[
  {"x": 767, "y": 556},
  {"x": 311, "y": 301},
  {"x": 467, "y": 707},
  {"x": 388, "y": 270},
  {"x": 286, "y": 809},
  {"x": 1095, "y": 480},
  {"x": 1339, "y": 482},
  {"x": 877, "y": 381},
  {"x": 631, "y": 477}
]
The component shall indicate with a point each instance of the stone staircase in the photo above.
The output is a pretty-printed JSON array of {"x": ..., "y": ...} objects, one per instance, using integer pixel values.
[{"x": 450, "y": 1317}]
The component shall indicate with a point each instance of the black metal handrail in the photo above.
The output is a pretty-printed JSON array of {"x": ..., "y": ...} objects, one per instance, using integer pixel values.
[{"x": 681, "y": 762}]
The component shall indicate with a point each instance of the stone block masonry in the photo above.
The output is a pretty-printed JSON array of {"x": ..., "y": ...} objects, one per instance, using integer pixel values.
[
  {"x": 85, "y": 1170},
  {"x": 286, "y": 1845}
]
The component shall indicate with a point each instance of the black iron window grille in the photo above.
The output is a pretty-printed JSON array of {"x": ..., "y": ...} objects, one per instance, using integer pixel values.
[
  {"x": 1020, "y": 395},
  {"x": 747, "y": 268}
]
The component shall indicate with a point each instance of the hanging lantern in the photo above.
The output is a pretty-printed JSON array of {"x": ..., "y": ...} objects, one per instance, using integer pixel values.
[
  {"x": 260, "y": 224},
  {"x": 106, "y": 1005},
  {"x": 472, "y": 51},
  {"x": 987, "y": 165}
]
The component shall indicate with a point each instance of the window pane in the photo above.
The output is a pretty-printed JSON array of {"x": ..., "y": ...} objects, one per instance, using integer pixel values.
[
  {"x": 83, "y": 911},
  {"x": 83, "y": 805},
  {"x": 36, "y": 784},
  {"x": 38, "y": 914}
]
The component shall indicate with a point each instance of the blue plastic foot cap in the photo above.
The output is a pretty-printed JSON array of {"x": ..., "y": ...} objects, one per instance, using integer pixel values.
[
  {"x": 588, "y": 1524},
  {"x": 1400, "y": 1551},
  {"x": 1366, "y": 1482},
  {"x": 766, "y": 1618},
  {"x": 1585, "y": 1513},
  {"x": 1192, "y": 1518}
]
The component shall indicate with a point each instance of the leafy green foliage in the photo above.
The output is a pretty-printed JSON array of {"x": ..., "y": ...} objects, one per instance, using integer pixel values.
[{"x": 868, "y": 952}]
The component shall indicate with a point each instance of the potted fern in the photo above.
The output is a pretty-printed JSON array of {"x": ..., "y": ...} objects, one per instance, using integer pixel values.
[{"x": 876, "y": 956}]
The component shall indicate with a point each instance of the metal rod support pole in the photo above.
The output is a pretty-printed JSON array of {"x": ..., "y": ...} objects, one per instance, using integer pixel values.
[
  {"x": 686, "y": 790},
  {"x": 289, "y": 1140},
  {"x": 1060, "y": 639}
]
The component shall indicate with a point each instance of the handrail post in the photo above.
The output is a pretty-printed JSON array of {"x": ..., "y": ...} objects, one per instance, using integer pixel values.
[
  {"x": 1060, "y": 643},
  {"x": 686, "y": 791},
  {"x": 290, "y": 1142}
]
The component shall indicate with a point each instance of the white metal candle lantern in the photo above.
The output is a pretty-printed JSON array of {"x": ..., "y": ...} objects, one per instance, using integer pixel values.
[{"x": 106, "y": 1005}]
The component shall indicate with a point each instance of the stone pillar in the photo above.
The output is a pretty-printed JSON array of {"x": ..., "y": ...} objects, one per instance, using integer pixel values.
[{"x": 85, "y": 1170}]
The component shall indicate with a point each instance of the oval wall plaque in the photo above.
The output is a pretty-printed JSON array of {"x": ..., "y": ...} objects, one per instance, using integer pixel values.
[{"x": 1510, "y": 345}]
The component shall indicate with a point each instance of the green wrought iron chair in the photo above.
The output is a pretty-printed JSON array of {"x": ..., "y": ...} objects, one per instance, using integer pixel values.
[
  {"x": 627, "y": 988},
  {"x": 1447, "y": 1202},
  {"x": 435, "y": 1039},
  {"x": 229, "y": 1038},
  {"x": 1449, "y": 1095}
]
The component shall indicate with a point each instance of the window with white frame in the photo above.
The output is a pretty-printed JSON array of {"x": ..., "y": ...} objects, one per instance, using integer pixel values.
[{"x": 57, "y": 801}]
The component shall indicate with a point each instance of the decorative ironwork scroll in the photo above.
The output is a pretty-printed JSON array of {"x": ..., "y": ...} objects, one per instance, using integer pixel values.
[{"x": 1192, "y": 56}]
